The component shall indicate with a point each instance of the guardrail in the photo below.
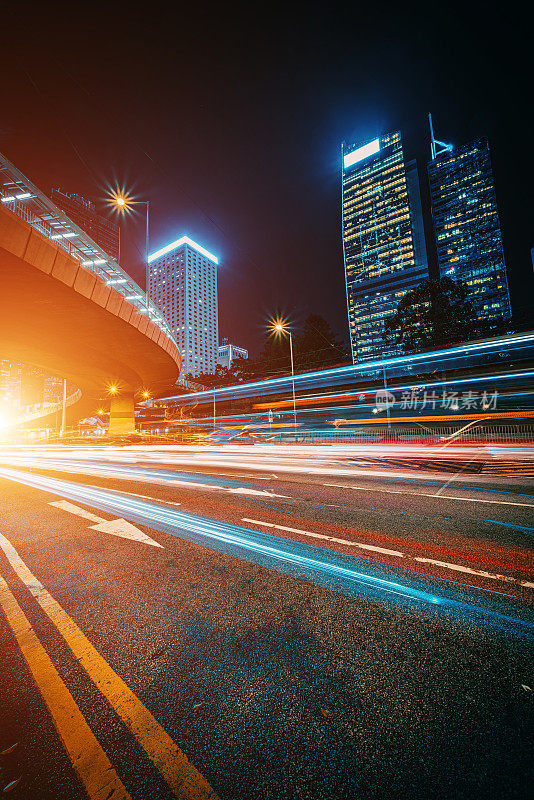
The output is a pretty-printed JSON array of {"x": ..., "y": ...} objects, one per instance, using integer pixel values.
[
  {"x": 502, "y": 434},
  {"x": 45, "y": 409},
  {"x": 29, "y": 203}
]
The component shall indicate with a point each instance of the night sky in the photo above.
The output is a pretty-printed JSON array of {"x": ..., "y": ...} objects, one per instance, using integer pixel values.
[{"x": 229, "y": 118}]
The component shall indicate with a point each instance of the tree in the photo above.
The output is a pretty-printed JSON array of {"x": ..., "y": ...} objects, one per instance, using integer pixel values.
[
  {"x": 317, "y": 346},
  {"x": 435, "y": 313},
  {"x": 212, "y": 380}
]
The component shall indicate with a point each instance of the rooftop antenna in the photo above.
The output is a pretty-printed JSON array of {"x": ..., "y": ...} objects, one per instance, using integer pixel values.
[{"x": 435, "y": 143}]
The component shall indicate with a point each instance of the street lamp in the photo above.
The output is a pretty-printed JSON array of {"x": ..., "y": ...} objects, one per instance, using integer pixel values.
[
  {"x": 279, "y": 327},
  {"x": 125, "y": 205}
]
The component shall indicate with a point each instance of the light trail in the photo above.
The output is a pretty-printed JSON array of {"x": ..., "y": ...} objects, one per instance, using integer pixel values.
[
  {"x": 353, "y": 370},
  {"x": 303, "y": 561},
  {"x": 420, "y": 385}
]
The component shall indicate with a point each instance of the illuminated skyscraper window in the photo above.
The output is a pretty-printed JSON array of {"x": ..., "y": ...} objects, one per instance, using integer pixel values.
[
  {"x": 383, "y": 239},
  {"x": 182, "y": 282},
  {"x": 466, "y": 226}
]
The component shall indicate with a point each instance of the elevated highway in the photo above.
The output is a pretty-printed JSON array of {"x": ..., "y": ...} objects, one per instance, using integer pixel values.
[{"x": 63, "y": 317}]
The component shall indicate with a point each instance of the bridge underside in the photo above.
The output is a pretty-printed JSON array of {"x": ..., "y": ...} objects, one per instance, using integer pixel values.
[{"x": 58, "y": 316}]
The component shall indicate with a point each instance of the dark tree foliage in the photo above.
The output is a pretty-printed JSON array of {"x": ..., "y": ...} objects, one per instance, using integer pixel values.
[
  {"x": 315, "y": 346},
  {"x": 434, "y": 314}
]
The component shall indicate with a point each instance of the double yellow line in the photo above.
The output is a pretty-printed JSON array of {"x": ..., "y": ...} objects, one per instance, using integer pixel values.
[{"x": 86, "y": 754}]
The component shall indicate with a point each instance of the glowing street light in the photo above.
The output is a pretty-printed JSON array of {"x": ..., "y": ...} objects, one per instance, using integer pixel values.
[
  {"x": 280, "y": 327},
  {"x": 113, "y": 389},
  {"x": 124, "y": 203}
]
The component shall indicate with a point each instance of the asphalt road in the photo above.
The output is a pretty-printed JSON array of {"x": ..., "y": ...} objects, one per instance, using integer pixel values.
[{"x": 265, "y": 625}]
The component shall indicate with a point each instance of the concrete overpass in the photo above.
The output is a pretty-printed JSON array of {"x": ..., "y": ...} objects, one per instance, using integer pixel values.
[{"x": 59, "y": 315}]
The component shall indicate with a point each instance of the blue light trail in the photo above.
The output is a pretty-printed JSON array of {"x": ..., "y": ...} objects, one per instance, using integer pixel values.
[
  {"x": 430, "y": 360},
  {"x": 314, "y": 565}
]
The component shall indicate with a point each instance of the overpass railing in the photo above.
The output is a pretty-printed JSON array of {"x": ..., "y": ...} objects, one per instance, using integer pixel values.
[{"x": 25, "y": 200}]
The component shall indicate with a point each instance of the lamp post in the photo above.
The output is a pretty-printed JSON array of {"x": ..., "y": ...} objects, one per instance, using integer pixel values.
[
  {"x": 281, "y": 328},
  {"x": 125, "y": 205}
]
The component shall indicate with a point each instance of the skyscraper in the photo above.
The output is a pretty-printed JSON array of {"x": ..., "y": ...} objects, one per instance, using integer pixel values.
[
  {"x": 466, "y": 225},
  {"x": 182, "y": 282},
  {"x": 383, "y": 239},
  {"x": 83, "y": 212}
]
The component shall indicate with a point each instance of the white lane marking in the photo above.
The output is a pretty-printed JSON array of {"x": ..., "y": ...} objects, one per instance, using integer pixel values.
[
  {"x": 436, "y": 497},
  {"x": 461, "y": 568},
  {"x": 155, "y": 499},
  {"x": 262, "y": 492},
  {"x": 397, "y": 553},
  {"x": 116, "y": 527},
  {"x": 326, "y": 538}
]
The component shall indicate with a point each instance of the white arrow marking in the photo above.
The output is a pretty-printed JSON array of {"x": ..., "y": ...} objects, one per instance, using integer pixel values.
[
  {"x": 243, "y": 490},
  {"x": 117, "y": 527}
]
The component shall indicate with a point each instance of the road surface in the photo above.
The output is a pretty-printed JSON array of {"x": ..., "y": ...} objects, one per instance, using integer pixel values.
[{"x": 239, "y": 622}]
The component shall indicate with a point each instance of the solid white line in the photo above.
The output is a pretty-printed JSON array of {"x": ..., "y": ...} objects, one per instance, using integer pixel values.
[
  {"x": 326, "y": 538},
  {"x": 436, "y": 497}
]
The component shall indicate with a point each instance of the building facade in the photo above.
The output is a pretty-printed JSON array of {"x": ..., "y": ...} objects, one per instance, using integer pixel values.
[
  {"x": 182, "y": 282},
  {"x": 229, "y": 352},
  {"x": 83, "y": 213},
  {"x": 383, "y": 239},
  {"x": 466, "y": 226}
]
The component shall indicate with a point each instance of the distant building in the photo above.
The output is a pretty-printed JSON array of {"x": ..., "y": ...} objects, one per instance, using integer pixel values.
[
  {"x": 383, "y": 239},
  {"x": 466, "y": 225},
  {"x": 83, "y": 213},
  {"x": 182, "y": 282},
  {"x": 229, "y": 352},
  {"x": 10, "y": 384}
]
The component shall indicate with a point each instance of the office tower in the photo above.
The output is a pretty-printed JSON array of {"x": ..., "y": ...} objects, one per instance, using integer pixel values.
[
  {"x": 383, "y": 239},
  {"x": 229, "y": 352},
  {"x": 182, "y": 282},
  {"x": 466, "y": 225},
  {"x": 83, "y": 213}
]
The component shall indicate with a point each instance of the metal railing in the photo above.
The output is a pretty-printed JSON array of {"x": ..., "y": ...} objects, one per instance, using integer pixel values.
[
  {"x": 503, "y": 434},
  {"x": 46, "y": 409},
  {"x": 25, "y": 200}
]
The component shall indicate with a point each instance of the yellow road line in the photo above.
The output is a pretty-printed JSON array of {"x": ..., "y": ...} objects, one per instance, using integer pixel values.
[
  {"x": 174, "y": 766},
  {"x": 87, "y": 756}
]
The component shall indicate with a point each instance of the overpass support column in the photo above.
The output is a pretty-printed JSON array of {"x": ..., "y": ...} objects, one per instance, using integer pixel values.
[{"x": 122, "y": 414}]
